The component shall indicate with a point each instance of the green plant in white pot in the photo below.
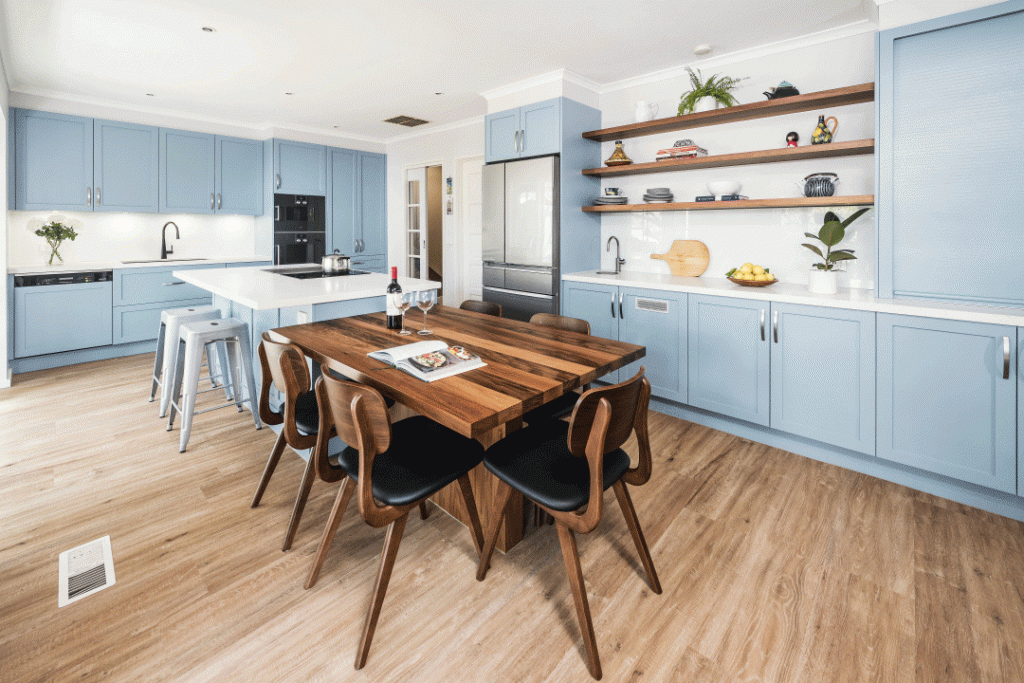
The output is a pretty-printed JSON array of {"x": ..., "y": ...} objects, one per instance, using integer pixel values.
[
  {"x": 824, "y": 278},
  {"x": 709, "y": 94}
]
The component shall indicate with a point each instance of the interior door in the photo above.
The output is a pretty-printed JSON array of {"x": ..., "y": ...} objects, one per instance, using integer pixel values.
[
  {"x": 530, "y": 211},
  {"x": 416, "y": 222}
]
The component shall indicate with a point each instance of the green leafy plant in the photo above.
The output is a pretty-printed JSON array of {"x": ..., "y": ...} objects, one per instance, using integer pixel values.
[
  {"x": 832, "y": 233},
  {"x": 54, "y": 233},
  {"x": 716, "y": 87}
]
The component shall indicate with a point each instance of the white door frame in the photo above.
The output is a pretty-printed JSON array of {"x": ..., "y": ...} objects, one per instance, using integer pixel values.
[
  {"x": 420, "y": 167},
  {"x": 459, "y": 197}
]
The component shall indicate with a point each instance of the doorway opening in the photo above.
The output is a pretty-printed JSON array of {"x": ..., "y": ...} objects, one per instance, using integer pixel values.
[{"x": 425, "y": 224}]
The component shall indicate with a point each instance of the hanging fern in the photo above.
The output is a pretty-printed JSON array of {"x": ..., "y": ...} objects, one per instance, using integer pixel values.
[{"x": 717, "y": 87}]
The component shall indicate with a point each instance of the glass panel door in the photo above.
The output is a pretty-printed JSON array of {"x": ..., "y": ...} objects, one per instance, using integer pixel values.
[{"x": 415, "y": 221}]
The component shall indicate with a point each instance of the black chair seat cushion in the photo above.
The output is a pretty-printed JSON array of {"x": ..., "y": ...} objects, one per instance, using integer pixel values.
[
  {"x": 307, "y": 415},
  {"x": 424, "y": 457},
  {"x": 536, "y": 461},
  {"x": 553, "y": 410}
]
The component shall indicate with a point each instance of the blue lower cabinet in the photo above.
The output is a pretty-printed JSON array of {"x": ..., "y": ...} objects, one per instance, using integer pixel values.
[
  {"x": 656, "y": 319},
  {"x": 373, "y": 264},
  {"x": 729, "y": 357},
  {"x": 1020, "y": 412},
  {"x": 61, "y": 318},
  {"x": 823, "y": 374},
  {"x": 155, "y": 285},
  {"x": 142, "y": 322},
  {"x": 947, "y": 398},
  {"x": 597, "y": 305}
]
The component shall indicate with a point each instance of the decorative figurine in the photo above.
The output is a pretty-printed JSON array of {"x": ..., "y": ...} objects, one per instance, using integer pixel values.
[
  {"x": 822, "y": 133},
  {"x": 793, "y": 139},
  {"x": 618, "y": 157},
  {"x": 784, "y": 89}
]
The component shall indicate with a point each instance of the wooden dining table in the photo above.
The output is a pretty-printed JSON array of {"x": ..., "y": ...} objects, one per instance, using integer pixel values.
[{"x": 527, "y": 365}]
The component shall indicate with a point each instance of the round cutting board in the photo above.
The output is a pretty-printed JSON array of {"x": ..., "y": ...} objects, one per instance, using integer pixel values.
[{"x": 687, "y": 258}]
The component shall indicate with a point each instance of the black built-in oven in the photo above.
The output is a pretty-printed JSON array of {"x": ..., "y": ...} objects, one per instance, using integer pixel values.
[{"x": 299, "y": 229}]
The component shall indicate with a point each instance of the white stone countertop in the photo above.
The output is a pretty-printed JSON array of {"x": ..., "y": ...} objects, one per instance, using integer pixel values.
[
  {"x": 262, "y": 289},
  {"x": 781, "y": 292},
  {"x": 118, "y": 265}
]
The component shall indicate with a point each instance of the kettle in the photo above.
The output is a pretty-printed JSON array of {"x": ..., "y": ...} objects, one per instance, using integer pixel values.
[{"x": 335, "y": 263}]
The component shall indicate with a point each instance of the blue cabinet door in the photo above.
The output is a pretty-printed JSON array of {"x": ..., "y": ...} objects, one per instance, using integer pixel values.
[
  {"x": 728, "y": 357},
  {"x": 372, "y": 204},
  {"x": 62, "y": 318},
  {"x": 501, "y": 136},
  {"x": 187, "y": 161},
  {"x": 541, "y": 128},
  {"x": 343, "y": 202},
  {"x": 300, "y": 168},
  {"x": 598, "y": 305},
  {"x": 125, "y": 167},
  {"x": 823, "y": 374},
  {"x": 943, "y": 402},
  {"x": 239, "y": 176},
  {"x": 1020, "y": 412},
  {"x": 53, "y": 161},
  {"x": 656, "y": 319}
]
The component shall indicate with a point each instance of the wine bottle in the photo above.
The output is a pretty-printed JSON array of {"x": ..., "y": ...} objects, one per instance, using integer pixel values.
[{"x": 393, "y": 311}]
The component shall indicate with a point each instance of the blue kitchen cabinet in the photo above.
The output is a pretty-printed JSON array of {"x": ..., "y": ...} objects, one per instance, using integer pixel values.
[
  {"x": 823, "y": 374},
  {"x": 501, "y": 136},
  {"x": 594, "y": 303},
  {"x": 728, "y": 357},
  {"x": 125, "y": 167},
  {"x": 357, "y": 204},
  {"x": 373, "y": 225},
  {"x": 300, "y": 168},
  {"x": 1020, "y": 412},
  {"x": 530, "y": 131},
  {"x": 53, "y": 161},
  {"x": 239, "y": 176},
  {"x": 187, "y": 162},
  {"x": 947, "y": 398},
  {"x": 52, "y": 319},
  {"x": 656, "y": 319},
  {"x": 342, "y": 202}
]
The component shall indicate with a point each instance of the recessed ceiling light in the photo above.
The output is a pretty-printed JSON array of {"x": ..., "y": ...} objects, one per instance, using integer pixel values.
[
  {"x": 702, "y": 50},
  {"x": 209, "y": 29},
  {"x": 439, "y": 93},
  {"x": 149, "y": 94},
  {"x": 289, "y": 93}
]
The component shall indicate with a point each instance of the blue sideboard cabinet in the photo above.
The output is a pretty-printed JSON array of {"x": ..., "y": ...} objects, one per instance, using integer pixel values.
[
  {"x": 947, "y": 398},
  {"x": 528, "y": 131},
  {"x": 125, "y": 167},
  {"x": 300, "y": 168}
]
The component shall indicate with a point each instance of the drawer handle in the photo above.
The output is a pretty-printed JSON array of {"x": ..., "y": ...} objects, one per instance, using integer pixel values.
[
  {"x": 775, "y": 326},
  {"x": 171, "y": 284},
  {"x": 278, "y": 181},
  {"x": 1006, "y": 358},
  {"x": 762, "y": 324},
  {"x": 613, "y": 304}
]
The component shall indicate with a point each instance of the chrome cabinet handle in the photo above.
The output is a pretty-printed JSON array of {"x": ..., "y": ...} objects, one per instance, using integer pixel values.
[
  {"x": 620, "y": 307},
  {"x": 762, "y": 324},
  {"x": 218, "y": 201},
  {"x": 211, "y": 201},
  {"x": 277, "y": 254},
  {"x": 277, "y": 213},
  {"x": 171, "y": 284},
  {"x": 522, "y": 140},
  {"x": 1006, "y": 358},
  {"x": 97, "y": 196},
  {"x": 516, "y": 136},
  {"x": 613, "y": 304},
  {"x": 88, "y": 196},
  {"x": 775, "y": 326},
  {"x": 278, "y": 181}
]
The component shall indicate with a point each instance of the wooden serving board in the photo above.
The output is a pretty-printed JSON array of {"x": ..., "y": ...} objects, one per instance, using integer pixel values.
[{"x": 686, "y": 258}]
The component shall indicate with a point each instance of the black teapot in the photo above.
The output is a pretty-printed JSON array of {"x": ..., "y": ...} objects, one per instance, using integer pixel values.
[{"x": 784, "y": 89}]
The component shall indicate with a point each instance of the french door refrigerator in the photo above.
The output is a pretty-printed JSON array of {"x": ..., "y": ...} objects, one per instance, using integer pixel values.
[{"x": 520, "y": 236}]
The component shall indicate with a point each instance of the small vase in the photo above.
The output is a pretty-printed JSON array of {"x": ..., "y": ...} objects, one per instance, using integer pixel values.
[
  {"x": 706, "y": 104},
  {"x": 57, "y": 254},
  {"x": 823, "y": 281},
  {"x": 618, "y": 157}
]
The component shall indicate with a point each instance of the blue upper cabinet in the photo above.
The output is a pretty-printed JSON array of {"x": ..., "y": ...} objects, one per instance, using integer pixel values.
[
  {"x": 533, "y": 130},
  {"x": 53, "y": 161},
  {"x": 950, "y": 206},
  {"x": 187, "y": 161},
  {"x": 947, "y": 398},
  {"x": 372, "y": 204},
  {"x": 300, "y": 168},
  {"x": 239, "y": 176},
  {"x": 656, "y": 319},
  {"x": 729, "y": 357},
  {"x": 343, "y": 203},
  {"x": 823, "y": 374},
  {"x": 125, "y": 167}
]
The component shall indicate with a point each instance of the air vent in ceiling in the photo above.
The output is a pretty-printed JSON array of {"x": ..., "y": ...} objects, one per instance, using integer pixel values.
[{"x": 406, "y": 121}]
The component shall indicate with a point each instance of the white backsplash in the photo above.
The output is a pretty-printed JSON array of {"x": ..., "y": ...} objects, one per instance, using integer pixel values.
[{"x": 126, "y": 236}]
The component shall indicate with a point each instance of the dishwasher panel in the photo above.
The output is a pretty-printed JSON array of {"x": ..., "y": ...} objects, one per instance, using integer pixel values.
[{"x": 56, "y": 318}]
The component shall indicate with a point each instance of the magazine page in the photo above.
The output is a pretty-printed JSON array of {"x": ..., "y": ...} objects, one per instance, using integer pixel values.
[
  {"x": 430, "y": 360},
  {"x": 395, "y": 354}
]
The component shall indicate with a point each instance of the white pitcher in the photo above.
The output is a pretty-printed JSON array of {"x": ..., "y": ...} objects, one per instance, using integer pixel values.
[{"x": 645, "y": 112}]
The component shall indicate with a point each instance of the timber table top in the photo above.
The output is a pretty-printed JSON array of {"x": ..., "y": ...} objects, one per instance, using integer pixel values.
[{"x": 527, "y": 365}]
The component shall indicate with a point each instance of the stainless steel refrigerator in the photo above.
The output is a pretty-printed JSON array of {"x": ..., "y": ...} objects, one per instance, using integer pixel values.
[{"x": 520, "y": 236}]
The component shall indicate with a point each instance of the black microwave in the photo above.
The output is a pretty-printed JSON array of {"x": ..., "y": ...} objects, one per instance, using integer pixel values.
[{"x": 299, "y": 213}]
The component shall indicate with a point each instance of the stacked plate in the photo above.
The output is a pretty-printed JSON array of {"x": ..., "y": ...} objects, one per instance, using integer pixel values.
[
  {"x": 658, "y": 195},
  {"x": 611, "y": 199}
]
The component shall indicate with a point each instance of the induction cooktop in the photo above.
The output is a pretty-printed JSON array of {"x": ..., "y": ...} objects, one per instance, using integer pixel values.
[{"x": 319, "y": 273}]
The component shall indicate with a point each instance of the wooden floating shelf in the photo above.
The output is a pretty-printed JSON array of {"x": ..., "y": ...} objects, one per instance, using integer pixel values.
[
  {"x": 837, "y": 97},
  {"x": 766, "y": 156},
  {"x": 787, "y": 203}
]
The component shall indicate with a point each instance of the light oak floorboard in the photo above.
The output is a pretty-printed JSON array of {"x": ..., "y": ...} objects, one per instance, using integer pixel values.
[{"x": 774, "y": 567}]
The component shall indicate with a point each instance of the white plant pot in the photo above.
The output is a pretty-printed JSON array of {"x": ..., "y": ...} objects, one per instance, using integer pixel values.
[
  {"x": 823, "y": 281},
  {"x": 706, "y": 104}
]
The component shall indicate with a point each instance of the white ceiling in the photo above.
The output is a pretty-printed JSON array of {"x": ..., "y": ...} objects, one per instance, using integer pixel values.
[{"x": 352, "y": 64}]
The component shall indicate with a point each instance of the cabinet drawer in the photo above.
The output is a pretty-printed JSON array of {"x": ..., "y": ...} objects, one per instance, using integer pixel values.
[
  {"x": 374, "y": 264},
  {"x": 155, "y": 285},
  {"x": 61, "y": 318},
  {"x": 139, "y": 323}
]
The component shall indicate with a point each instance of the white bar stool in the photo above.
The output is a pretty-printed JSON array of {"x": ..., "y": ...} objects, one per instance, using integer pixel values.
[
  {"x": 193, "y": 338},
  {"x": 164, "y": 361}
]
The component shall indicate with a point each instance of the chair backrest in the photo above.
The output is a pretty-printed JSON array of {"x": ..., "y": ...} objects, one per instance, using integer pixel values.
[
  {"x": 487, "y": 307},
  {"x": 562, "y": 322},
  {"x": 284, "y": 366},
  {"x": 625, "y": 402}
]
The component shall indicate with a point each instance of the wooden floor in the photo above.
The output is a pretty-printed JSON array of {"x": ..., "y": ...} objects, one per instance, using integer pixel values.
[{"x": 775, "y": 567}]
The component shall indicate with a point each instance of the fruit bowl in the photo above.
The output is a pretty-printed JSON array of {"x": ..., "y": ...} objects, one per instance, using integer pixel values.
[{"x": 754, "y": 283}]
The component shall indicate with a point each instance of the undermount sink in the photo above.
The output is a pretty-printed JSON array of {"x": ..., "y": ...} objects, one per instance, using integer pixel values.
[
  {"x": 164, "y": 260},
  {"x": 607, "y": 272}
]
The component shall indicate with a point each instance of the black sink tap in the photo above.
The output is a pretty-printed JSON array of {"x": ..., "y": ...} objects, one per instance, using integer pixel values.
[{"x": 164, "y": 251}]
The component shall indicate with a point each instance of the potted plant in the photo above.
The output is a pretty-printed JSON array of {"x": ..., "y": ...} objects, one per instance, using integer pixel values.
[
  {"x": 55, "y": 233},
  {"x": 709, "y": 94},
  {"x": 823, "y": 279}
]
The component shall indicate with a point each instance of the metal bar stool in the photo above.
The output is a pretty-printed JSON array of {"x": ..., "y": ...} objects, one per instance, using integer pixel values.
[
  {"x": 164, "y": 361},
  {"x": 193, "y": 338}
]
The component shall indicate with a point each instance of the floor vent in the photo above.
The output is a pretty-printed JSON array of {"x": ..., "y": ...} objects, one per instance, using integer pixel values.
[
  {"x": 84, "y": 570},
  {"x": 406, "y": 121}
]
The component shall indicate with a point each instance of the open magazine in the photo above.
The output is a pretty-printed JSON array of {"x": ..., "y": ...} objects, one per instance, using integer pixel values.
[{"x": 429, "y": 360}]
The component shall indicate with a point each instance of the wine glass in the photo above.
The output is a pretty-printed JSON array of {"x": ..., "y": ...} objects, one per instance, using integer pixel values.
[
  {"x": 402, "y": 301},
  {"x": 426, "y": 300}
]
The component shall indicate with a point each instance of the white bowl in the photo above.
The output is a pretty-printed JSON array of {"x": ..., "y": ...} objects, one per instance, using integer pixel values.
[{"x": 720, "y": 187}]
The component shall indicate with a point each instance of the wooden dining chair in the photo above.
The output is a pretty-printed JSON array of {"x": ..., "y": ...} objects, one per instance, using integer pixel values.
[
  {"x": 563, "y": 405},
  {"x": 487, "y": 307},
  {"x": 391, "y": 469},
  {"x": 565, "y": 469}
]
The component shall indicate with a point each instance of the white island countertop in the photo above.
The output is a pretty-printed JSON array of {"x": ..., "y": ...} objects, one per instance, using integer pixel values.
[
  {"x": 787, "y": 293},
  {"x": 262, "y": 289}
]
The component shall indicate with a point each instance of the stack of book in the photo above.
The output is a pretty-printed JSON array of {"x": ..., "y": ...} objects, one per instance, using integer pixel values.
[
  {"x": 723, "y": 198},
  {"x": 681, "y": 152}
]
